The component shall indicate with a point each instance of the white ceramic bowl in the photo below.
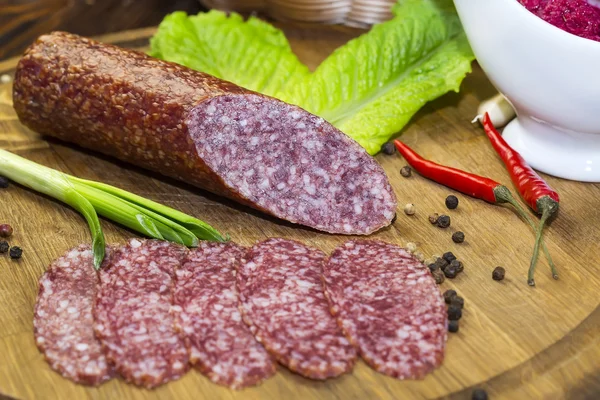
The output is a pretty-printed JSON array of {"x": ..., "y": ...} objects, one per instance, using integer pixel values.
[{"x": 552, "y": 79}]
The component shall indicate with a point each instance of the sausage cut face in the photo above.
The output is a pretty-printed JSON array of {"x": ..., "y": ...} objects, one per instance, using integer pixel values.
[{"x": 292, "y": 163}]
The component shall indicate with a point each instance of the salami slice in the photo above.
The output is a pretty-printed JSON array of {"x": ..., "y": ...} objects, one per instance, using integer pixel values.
[
  {"x": 63, "y": 321},
  {"x": 283, "y": 302},
  {"x": 132, "y": 313},
  {"x": 389, "y": 307},
  {"x": 206, "y": 307},
  {"x": 254, "y": 149}
]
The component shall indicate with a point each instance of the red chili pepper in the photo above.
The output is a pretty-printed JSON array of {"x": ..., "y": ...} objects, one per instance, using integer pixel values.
[
  {"x": 532, "y": 188},
  {"x": 470, "y": 184},
  {"x": 467, "y": 183}
]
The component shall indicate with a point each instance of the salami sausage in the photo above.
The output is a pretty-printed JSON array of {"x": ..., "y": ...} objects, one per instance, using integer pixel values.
[
  {"x": 63, "y": 321},
  {"x": 206, "y": 308},
  {"x": 389, "y": 306},
  {"x": 253, "y": 149},
  {"x": 283, "y": 302},
  {"x": 132, "y": 313}
]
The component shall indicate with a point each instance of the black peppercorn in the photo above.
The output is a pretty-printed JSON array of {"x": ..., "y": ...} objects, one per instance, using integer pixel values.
[
  {"x": 388, "y": 148},
  {"x": 433, "y": 218},
  {"x": 443, "y": 221},
  {"x": 498, "y": 274},
  {"x": 3, "y": 182},
  {"x": 451, "y": 202},
  {"x": 15, "y": 252},
  {"x": 4, "y": 246},
  {"x": 433, "y": 267},
  {"x": 458, "y": 237},
  {"x": 450, "y": 272},
  {"x": 441, "y": 263},
  {"x": 449, "y": 257},
  {"x": 438, "y": 275},
  {"x": 457, "y": 301},
  {"x": 5, "y": 230},
  {"x": 448, "y": 295},
  {"x": 454, "y": 312},
  {"x": 479, "y": 394},
  {"x": 457, "y": 265},
  {"x": 406, "y": 171},
  {"x": 453, "y": 326}
]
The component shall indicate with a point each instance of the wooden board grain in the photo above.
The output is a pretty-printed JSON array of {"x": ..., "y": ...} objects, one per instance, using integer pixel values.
[{"x": 514, "y": 340}]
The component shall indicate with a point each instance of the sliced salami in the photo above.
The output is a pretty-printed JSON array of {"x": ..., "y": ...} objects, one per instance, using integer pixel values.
[
  {"x": 132, "y": 313},
  {"x": 206, "y": 308},
  {"x": 283, "y": 302},
  {"x": 389, "y": 306},
  {"x": 63, "y": 321}
]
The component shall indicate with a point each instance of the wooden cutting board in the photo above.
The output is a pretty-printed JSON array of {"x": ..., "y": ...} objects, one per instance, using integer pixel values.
[{"x": 514, "y": 340}]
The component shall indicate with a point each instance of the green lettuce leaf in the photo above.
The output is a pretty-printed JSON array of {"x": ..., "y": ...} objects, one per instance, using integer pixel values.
[
  {"x": 372, "y": 86},
  {"x": 252, "y": 53}
]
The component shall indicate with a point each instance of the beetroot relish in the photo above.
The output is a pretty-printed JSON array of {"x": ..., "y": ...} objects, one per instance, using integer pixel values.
[{"x": 578, "y": 17}]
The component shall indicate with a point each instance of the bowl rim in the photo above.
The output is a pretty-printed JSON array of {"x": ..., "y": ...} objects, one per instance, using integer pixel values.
[{"x": 552, "y": 29}]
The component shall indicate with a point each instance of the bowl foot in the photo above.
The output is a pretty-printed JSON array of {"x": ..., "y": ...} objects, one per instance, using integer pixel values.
[{"x": 569, "y": 155}]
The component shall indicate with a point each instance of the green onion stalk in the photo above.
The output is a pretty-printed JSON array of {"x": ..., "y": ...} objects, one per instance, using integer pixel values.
[{"x": 91, "y": 198}]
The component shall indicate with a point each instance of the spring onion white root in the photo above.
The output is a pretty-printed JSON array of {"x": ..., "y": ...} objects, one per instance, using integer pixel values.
[{"x": 91, "y": 198}]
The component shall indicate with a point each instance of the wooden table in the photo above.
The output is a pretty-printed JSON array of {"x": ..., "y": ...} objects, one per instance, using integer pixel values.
[{"x": 515, "y": 341}]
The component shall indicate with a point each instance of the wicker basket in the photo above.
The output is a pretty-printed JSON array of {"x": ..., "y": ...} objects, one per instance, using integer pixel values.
[
  {"x": 368, "y": 12},
  {"x": 327, "y": 12},
  {"x": 357, "y": 13},
  {"x": 235, "y": 5}
]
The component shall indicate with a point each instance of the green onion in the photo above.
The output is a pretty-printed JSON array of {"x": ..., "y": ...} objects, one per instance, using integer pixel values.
[
  {"x": 92, "y": 198},
  {"x": 198, "y": 228}
]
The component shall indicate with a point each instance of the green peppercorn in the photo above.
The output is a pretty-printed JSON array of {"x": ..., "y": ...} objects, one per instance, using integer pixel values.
[
  {"x": 4, "y": 246},
  {"x": 453, "y": 326},
  {"x": 454, "y": 312},
  {"x": 443, "y": 221},
  {"x": 433, "y": 258},
  {"x": 479, "y": 394},
  {"x": 15, "y": 252},
  {"x": 438, "y": 275},
  {"x": 5, "y": 230},
  {"x": 448, "y": 295},
  {"x": 433, "y": 218},
  {"x": 449, "y": 257},
  {"x": 458, "y": 237},
  {"x": 411, "y": 247},
  {"x": 406, "y": 171},
  {"x": 457, "y": 265},
  {"x": 419, "y": 256},
  {"x": 498, "y": 274},
  {"x": 3, "y": 182},
  {"x": 451, "y": 202},
  {"x": 458, "y": 301},
  {"x": 450, "y": 272},
  {"x": 388, "y": 148}
]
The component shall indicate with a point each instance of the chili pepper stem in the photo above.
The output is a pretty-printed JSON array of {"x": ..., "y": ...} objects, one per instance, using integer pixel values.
[
  {"x": 503, "y": 194},
  {"x": 536, "y": 249},
  {"x": 548, "y": 206},
  {"x": 539, "y": 239}
]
